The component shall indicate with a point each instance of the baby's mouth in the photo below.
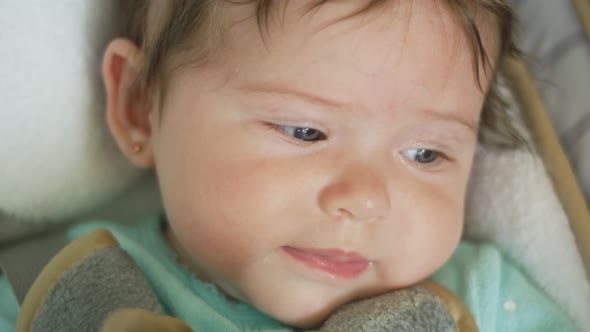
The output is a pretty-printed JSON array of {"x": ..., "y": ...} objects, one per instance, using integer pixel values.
[{"x": 336, "y": 262}]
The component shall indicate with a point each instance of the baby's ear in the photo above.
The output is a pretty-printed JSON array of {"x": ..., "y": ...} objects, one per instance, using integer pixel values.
[{"x": 128, "y": 108}]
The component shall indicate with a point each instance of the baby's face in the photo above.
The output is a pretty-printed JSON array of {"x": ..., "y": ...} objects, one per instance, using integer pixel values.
[{"x": 326, "y": 165}]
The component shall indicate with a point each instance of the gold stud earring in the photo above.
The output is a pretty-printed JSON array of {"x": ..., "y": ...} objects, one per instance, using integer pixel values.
[{"x": 135, "y": 147}]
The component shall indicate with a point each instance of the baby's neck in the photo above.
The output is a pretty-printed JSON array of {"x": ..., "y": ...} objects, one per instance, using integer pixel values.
[{"x": 182, "y": 256}]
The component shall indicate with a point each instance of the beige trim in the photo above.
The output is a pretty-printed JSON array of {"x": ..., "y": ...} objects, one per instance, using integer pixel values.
[
  {"x": 457, "y": 309},
  {"x": 64, "y": 261},
  {"x": 140, "y": 320},
  {"x": 555, "y": 160},
  {"x": 583, "y": 10}
]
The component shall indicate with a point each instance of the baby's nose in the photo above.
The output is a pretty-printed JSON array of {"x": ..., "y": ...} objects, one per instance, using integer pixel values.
[{"x": 357, "y": 195}]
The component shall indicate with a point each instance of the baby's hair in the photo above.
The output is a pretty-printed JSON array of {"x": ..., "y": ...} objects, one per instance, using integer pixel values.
[{"x": 168, "y": 31}]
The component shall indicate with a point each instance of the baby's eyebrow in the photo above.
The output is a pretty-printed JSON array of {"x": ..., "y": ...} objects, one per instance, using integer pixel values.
[
  {"x": 274, "y": 88},
  {"x": 456, "y": 117},
  {"x": 279, "y": 89}
]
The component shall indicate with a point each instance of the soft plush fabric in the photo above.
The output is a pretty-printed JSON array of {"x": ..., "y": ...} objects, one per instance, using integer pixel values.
[
  {"x": 499, "y": 296},
  {"x": 414, "y": 309},
  {"x": 110, "y": 278}
]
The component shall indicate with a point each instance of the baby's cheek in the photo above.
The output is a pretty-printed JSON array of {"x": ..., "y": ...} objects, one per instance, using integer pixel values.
[
  {"x": 423, "y": 233},
  {"x": 210, "y": 238}
]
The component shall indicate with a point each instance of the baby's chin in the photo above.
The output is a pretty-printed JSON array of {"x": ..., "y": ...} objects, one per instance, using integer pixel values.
[
  {"x": 298, "y": 309},
  {"x": 305, "y": 319},
  {"x": 308, "y": 311}
]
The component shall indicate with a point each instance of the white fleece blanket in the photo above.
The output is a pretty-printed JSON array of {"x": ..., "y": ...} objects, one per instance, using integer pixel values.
[
  {"x": 57, "y": 159},
  {"x": 511, "y": 202}
]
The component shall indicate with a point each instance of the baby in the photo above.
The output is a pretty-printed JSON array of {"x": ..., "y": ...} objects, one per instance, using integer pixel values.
[
  {"x": 311, "y": 153},
  {"x": 308, "y": 153}
]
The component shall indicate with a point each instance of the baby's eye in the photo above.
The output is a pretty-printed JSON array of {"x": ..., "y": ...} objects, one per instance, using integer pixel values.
[
  {"x": 303, "y": 133},
  {"x": 422, "y": 156}
]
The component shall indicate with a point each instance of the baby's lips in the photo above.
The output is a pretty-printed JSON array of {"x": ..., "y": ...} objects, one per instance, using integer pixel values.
[{"x": 337, "y": 262}]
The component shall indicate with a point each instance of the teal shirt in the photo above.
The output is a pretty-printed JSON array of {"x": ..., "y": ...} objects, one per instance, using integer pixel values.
[{"x": 498, "y": 295}]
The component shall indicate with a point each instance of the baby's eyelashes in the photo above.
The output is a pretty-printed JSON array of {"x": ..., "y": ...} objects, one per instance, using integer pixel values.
[
  {"x": 422, "y": 156},
  {"x": 426, "y": 159},
  {"x": 303, "y": 133},
  {"x": 299, "y": 135}
]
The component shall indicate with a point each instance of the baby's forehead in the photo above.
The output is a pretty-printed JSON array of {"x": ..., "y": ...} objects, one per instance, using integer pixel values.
[
  {"x": 222, "y": 35},
  {"x": 298, "y": 23},
  {"x": 360, "y": 66},
  {"x": 378, "y": 39}
]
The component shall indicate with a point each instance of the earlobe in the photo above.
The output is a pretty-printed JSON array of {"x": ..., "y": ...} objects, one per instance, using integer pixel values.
[{"x": 128, "y": 107}]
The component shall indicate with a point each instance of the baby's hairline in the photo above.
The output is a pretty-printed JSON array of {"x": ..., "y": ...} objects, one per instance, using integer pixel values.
[{"x": 173, "y": 46}]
